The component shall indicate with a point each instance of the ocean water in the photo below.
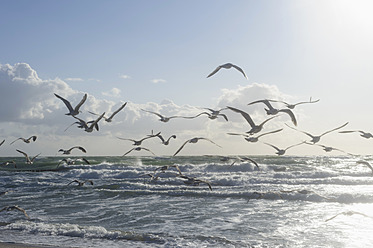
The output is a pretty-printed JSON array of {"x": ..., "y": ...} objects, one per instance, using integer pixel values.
[{"x": 287, "y": 202}]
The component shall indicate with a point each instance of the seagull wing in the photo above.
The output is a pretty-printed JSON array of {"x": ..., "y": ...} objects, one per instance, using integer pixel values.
[
  {"x": 15, "y": 141},
  {"x": 81, "y": 102},
  {"x": 240, "y": 70},
  {"x": 32, "y": 160},
  {"x": 278, "y": 149},
  {"x": 210, "y": 141},
  {"x": 24, "y": 154},
  {"x": 291, "y": 114},
  {"x": 181, "y": 147},
  {"x": 334, "y": 129},
  {"x": 275, "y": 131},
  {"x": 116, "y": 112},
  {"x": 128, "y": 152},
  {"x": 67, "y": 103},
  {"x": 94, "y": 124},
  {"x": 265, "y": 101},
  {"x": 146, "y": 149},
  {"x": 215, "y": 71},
  {"x": 2, "y": 142},
  {"x": 245, "y": 115}
]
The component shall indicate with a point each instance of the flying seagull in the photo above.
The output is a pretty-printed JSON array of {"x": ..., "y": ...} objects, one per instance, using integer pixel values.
[
  {"x": 72, "y": 161},
  {"x": 93, "y": 124},
  {"x": 349, "y": 213},
  {"x": 227, "y": 66},
  {"x": 69, "y": 150},
  {"x": 273, "y": 111},
  {"x": 28, "y": 160},
  {"x": 15, "y": 207},
  {"x": 164, "y": 118},
  {"x": 33, "y": 138},
  {"x": 365, "y": 163},
  {"x": 254, "y": 128},
  {"x": 81, "y": 183},
  {"x": 315, "y": 139},
  {"x": 329, "y": 148},
  {"x": 195, "y": 181},
  {"x": 9, "y": 162},
  {"x": 138, "y": 148},
  {"x": 72, "y": 111},
  {"x": 138, "y": 142},
  {"x": 112, "y": 115},
  {"x": 166, "y": 141},
  {"x": 249, "y": 138},
  {"x": 193, "y": 140},
  {"x": 212, "y": 116},
  {"x": 282, "y": 151},
  {"x": 292, "y": 106},
  {"x": 363, "y": 134}
]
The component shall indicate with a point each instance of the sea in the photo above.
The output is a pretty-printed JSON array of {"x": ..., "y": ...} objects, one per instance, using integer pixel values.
[{"x": 285, "y": 201}]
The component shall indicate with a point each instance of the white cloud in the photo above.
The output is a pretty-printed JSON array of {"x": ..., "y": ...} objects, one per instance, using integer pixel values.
[
  {"x": 156, "y": 81},
  {"x": 124, "y": 76},
  {"x": 114, "y": 92},
  {"x": 74, "y": 79}
]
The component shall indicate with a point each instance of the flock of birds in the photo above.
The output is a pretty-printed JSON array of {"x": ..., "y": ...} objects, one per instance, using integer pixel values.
[{"x": 252, "y": 135}]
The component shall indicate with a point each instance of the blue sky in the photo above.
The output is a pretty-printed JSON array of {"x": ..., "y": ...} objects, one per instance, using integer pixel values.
[{"x": 154, "y": 52}]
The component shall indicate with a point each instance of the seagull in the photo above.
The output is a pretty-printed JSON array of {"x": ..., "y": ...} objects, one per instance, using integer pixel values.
[
  {"x": 273, "y": 111},
  {"x": 195, "y": 181},
  {"x": 215, "y": 112},
  {"x": 212, "y": 116},
  {"x": 8, "y": 162},
  {"x": 72, "y": 111},
  {"x": 69, "y": 150},
  {"x": 15, "y": 207},
  {"x": 282, "y": 151},
  {"x": 33, "y": 138},
  {"x": 349, "y": 213},
  {"x": 81, "y": 183},
  {"x": 244, "y": 159},
  {"x": 166, "y": 167},
  {"x": 167, "y": 141},
  {"x": 363, "y": 134},
  {"x": 249, "y": 138},
  {"x": 28, "y": 160},
  {"x": 82, "y": 124},
  {"x": 254, "y": 128},
  {"x": 92, "y": 125},
  {"x": 329, "y": 148},
  {"x": 193, "y": 140},
  {"x": 365, "y": 163},
  {"x": 227, "y": 66},
  {"x": 292, "y": 106},
  {"x": 138, "y": 148},
  {"x": 315, "y": 139},
  {"x": 72, "y": 161},
  {"x": 112, "y": 115},
  {"x": 138, "y": 142},
  {"x": 164, "y": 118}
]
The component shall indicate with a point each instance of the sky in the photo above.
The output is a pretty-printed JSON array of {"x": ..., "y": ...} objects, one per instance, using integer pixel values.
[{"x": 156, "y": 55}]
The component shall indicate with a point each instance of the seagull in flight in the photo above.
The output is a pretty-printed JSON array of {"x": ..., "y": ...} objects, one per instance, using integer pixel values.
[
  {"x": 164, "y": 118},
  {"x": 93, "y": 124},
  {"x": 365, "y": 163},
  {"x": 138, "y": 148},
  {"x": 9, "y": 162},
  {"x": 28, "y": 160},
  {"x": 254, "y": 128},
  {"x": 249, "y": 138},
  {"x": 273, "y": 111},
  {"x": 329, "y": 148},
  {"x": 109, "y": 119},
  {"x": 81, "y": 183},
  {"x": 212, "y": 116},
  {"x": 166, "y": 141},
  {"x": 292, "y": 106},
  {"x": 349, "y": 213},
  {"x": 69, "y": 150},
  {"x": 363, "y": 134},
  {"x": 15, "y": 207},
  {"x": 72, "y": 111},
  {"x": 315, "y": 139},
  {"x": 32, "y": 138},
  {"x": 72, "y": 161},
  {"x": 195, "y": 181},
  {"x": 282, "y": 151},
  {"x": 227, "y": 66},
  {"x": 138, "y": 142},
  {"x": 192, "y": 141}
]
